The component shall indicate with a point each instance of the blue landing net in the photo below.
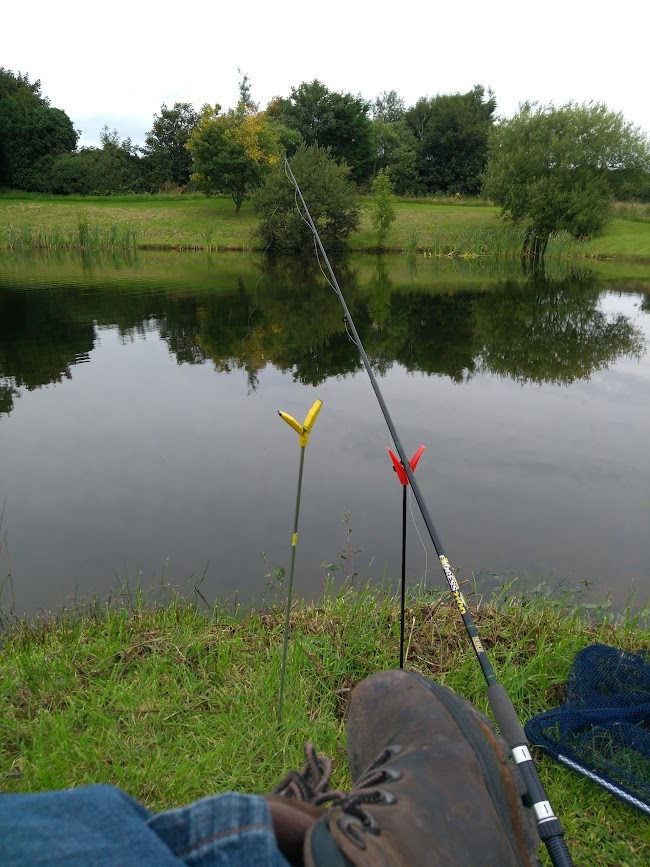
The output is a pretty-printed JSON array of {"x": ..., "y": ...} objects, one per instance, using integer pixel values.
[{"x": 603, "y": 728}]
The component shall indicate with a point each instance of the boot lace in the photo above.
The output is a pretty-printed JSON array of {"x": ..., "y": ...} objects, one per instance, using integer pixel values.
[
  {"x": 310, "y": 784},
  {"x": 368, "y": 789}
]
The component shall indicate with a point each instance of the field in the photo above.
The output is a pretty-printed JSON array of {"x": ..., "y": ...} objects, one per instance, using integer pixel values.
[{"x": 429, "y": 227}]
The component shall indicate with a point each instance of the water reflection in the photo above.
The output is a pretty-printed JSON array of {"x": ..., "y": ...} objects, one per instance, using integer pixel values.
[
  {"x": 540, "y": 329},
  {"x": 161, "y": 443}
]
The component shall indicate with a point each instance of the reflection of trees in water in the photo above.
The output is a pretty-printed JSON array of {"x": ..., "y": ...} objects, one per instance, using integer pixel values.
[
  {"x": 180, "y": 327},
  {"x": 290, "y": 319},
  {"x": 538, "y": 330},
  {"x": 41, "y": 338},
  {"x": 549, "y": 331},
  {"x": 7, "y": 394},
  {"x": 433, "y": 334}
]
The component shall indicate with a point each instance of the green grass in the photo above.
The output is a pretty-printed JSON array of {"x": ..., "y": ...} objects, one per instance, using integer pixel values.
[
  {"x": 623, "y": 239},
  {"x": 428, "y": 227},
  {"x": 175, "y": 222},
  {"x": 171, "y": 703}
]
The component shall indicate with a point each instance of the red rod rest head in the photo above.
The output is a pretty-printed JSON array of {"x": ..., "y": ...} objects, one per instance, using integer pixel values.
[{"x": 399, "y": 469}]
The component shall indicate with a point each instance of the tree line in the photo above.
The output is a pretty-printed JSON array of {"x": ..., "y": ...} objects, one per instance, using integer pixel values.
[
  {"x": 437, "y": 145},
  {"x": 550, "y": 168}
]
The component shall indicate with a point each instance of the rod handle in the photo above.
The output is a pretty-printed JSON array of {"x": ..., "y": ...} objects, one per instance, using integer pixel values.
[
  {"x": 549, "y": 826},
  {"x": 558, "y": 852}
]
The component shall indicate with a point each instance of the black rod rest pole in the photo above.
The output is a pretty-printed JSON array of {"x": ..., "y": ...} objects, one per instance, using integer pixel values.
[
  {"x": 403, "y": 588},
  {"x": 549, "y": 826}
]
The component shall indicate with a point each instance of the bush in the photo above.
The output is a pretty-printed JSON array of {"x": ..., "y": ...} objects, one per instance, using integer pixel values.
[
  {"x": 96, "y": 172},
  {"x": 329, "y": 193}
]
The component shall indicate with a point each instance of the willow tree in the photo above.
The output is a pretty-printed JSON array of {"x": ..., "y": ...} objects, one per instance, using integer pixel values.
[{"x": 556, "y": 169}]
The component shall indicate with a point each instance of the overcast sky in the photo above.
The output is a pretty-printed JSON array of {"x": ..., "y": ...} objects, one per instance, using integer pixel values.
[{"x": 115, "y": 63}]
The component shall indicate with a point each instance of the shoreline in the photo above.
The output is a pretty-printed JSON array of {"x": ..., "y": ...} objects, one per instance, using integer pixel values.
[{"x": 431, "y": 228}]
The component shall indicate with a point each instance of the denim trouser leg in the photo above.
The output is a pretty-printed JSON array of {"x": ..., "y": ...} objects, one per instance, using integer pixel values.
[
  {"x": 228, "y": 829},
  {"x": 100, "y": 825}
]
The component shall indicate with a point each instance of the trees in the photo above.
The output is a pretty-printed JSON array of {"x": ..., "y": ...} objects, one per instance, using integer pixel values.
[
  {"x": 394, "y": 142},
  {"x": 554, "y": 169},
  {"x": 232, "y": 151},
  {"x": 165, "y": 151},
  {"x": 452, "y": 132},
  {"x": 31, "y": 132},
  {"x": 338, "y": 121},
  {"x": 113, "y": 168},
  {"x": 330, "y": 196},
  {"x": 389, "y": 107},
  {"x": 396, "y": 152}
]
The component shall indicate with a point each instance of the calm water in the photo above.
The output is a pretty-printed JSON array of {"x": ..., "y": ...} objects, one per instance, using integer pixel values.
[{"x": 140, "y": 441}]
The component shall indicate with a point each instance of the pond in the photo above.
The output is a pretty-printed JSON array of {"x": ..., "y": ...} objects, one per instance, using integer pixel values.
[{"x": 140, "y": 440}]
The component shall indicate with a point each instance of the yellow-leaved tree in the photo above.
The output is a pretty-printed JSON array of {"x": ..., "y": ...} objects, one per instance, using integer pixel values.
[{"x": 233, "y": 150}]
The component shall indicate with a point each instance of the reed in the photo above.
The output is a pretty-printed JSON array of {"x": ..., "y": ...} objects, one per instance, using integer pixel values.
[
  {"x": 636, "y": 211},
  {"x": 479, "y": 242},
  {"x": 498, "y": 242},
  {"x": 412, "y": 244},
  {"x": 208, "y": 237},
  {"x": 84, "y": 235}
]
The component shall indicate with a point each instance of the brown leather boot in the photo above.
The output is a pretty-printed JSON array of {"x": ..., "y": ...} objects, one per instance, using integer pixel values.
[
  {"x": 432, "y": 785},
  {"x": 291, "y": 821}
]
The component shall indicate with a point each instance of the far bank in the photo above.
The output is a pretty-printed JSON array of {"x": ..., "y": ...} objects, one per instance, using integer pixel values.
[{"x": 425, "y": 227}]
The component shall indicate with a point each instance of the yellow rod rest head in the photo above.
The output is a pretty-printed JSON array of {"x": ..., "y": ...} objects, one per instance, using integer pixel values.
[
  {"x": 303, "y": 430},
  {"x": 311, "y": 416},
  {"x": 290, "y": 420}
]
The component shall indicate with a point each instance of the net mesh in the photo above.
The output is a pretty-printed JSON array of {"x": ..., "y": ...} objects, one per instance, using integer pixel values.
[{"x": 603, "y": 728}]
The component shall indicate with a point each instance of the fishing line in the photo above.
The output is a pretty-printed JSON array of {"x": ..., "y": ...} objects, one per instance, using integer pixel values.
[
  {"x": 350, "y": 337},
  {"x": 424, "y": 547},
  {"x": 548, "y": 825},
  {"x": 309, "y": 225}
]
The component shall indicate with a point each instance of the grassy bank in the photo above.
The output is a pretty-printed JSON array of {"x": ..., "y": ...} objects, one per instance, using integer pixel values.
[
  {"x": 429, "y": 227},
  {"x": 174, "y": 703}
]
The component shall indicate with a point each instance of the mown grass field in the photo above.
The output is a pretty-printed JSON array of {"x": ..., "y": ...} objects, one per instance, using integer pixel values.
[
  {"x": 171, "y": 703},
  {"x": 428, "y": 226}
]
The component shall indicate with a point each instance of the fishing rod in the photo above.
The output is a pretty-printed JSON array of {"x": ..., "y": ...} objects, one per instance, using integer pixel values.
[{"x": 549, "y": 826}]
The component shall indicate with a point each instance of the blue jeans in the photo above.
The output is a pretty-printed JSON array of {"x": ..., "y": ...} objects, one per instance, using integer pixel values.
[{"x": 100, "y": 825}]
